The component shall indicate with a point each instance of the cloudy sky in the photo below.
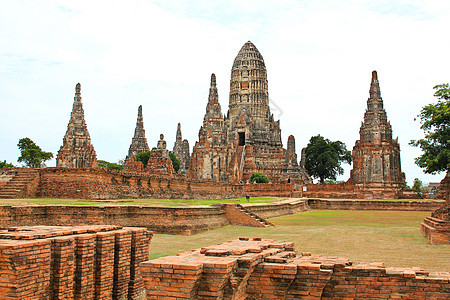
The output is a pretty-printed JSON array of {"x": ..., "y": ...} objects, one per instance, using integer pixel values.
[{"x": 319, "y": 56}]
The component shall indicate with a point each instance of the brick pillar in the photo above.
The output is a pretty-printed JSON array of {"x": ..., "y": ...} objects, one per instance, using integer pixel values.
[
  {"x": 140, "y": 241},
  {"x": 62, "y": 264},
  {"x": 25, "y": 276},
  {"x": 122, "y": 256},
  {"x": 84, "y": 266},
  {"x": 104, "y": 265}
]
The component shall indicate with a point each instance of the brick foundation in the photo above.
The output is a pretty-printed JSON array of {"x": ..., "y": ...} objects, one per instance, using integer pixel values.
[
  {"x": 269, "y": 269},
  {"x": 80, "y": 262},
  {"x": 411, "y": 205}
]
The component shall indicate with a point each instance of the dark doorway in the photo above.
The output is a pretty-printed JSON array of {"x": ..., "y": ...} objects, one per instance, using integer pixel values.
[{"x": 241, "y": 138}]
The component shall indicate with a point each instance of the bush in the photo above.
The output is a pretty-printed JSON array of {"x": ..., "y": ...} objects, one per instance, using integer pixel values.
[{"x": 259, "y": 178}]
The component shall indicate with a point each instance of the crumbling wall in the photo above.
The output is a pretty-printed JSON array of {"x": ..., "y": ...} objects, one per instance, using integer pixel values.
[
  {"x": 109, "y": 184},
  {"x": 81, "y": 262},
  {"x": 269, "y": 269},
  {"x": 173, "y": 220}
]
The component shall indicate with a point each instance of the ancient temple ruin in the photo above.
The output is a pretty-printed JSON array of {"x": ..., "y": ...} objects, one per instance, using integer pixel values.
[
  {"x": 77, "y": 150},
  {"x": 138, "y": 145},
  {"x": 376, "y": 155},
  {"x": 246, "y": 140}
]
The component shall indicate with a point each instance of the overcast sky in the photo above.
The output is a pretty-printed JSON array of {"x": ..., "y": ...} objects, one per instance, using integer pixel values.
[{"x": 319, "y": 57}]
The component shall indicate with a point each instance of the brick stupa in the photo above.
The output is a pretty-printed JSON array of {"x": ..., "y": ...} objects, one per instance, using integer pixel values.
[
  {"x": 376, "y": 155},
  {"x": 77, "y": 150},
  {"x": 138, "y": 144}
]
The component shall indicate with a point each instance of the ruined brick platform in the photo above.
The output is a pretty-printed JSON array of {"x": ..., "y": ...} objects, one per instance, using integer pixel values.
[
  {"x": 72, "y": 262},
  {"x": 268, "y": 269}
]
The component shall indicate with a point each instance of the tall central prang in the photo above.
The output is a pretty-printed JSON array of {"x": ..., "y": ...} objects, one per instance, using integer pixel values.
[
  {"x": 247, "y": 140},
  {"x": 249, "y": 97}
]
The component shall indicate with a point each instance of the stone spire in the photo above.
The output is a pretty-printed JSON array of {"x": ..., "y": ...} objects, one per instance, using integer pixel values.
[
  {"x": 375, "y": 86},
  {"x": 375, "y": 127},
  {"x": 291, "y": 156},
  {"x": 185, "y": 158},
  {"x": 213, "y": 109},
  {"x": 177, "y": 147},
  {"x": 376, "y": 156},
  {"x": 139, "y": 142},
  {"x": 292, "y": 171},
  {"x": 77, "y": 150}
]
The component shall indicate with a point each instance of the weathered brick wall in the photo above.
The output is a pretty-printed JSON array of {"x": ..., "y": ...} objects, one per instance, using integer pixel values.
[
  {"x": 81, "y": 262},
  {"x": 269, "y": 189},
  {"x": 269, "y": 269},
  {"x": 349, "y": 190},
  {"x": 108, "y": 184},
  {"x": 174, "y": 220},
  {"x": 325, "y": 204},
  {"x": 271, "y": 210}
]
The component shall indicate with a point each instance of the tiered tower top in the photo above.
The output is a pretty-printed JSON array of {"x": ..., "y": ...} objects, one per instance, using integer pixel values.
[
  {"x": 375, "y": 129},
  {"x": 139, "y": 141},
  {"x": 248, "y": 85},
  {"x": 77, "y": 150}
]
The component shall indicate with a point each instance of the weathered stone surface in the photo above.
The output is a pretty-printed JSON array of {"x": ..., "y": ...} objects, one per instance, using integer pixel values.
[
  {"x": 248, "y": 139},
  {"x": 138, "y": 145},
  {"x": 185, "y": 158},
  {"x": 77, "y": 150},
  {"x": 376, "y": 156}
]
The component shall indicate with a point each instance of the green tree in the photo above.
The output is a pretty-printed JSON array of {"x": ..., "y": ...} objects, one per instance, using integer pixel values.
[
  {"x": 259, "y": 178},
  {"x": 435, "y": 122},
  {"x": 111, "y": 166},
  {"x": 4, "y": 164},
  {"x": 324, "y": 157},
  {"x": 418, "y": 186},
  {"x": 175, "y": 161},
  {"x": 143, "y": 157},
  {"x": 31, "y": 154}
]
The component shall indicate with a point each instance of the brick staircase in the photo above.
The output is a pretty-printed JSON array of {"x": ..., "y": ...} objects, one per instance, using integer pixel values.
[
  {"x": 436, "y": 230},
  {"x": 260, "y": 222},
  {"x": 21, "y": 185}
]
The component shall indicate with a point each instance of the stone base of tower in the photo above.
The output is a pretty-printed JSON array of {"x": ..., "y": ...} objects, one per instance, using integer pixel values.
[
  {"x": 263, "y": 159},
  {"x": 160, "y": 163}
]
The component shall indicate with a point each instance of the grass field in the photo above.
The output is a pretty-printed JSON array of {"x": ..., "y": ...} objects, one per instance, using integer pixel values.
[
  {"x": 139, "y": 202},
  {"x": 392, "y": 237}
]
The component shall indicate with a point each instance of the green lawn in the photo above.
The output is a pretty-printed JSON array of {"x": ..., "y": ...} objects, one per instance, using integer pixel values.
[
  {"x": 140, "y": 202},
  {"x": 392, "y": 237}
]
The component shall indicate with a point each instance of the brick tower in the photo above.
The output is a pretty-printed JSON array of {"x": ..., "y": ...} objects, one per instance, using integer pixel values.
[
  {"x": 139, "y": 141},
  {"x": 376, "y": 156},
  {"x": 138, "y": 145},
  {"x": 211, "y": 151},
  {"x": 77, "y": 150}
]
